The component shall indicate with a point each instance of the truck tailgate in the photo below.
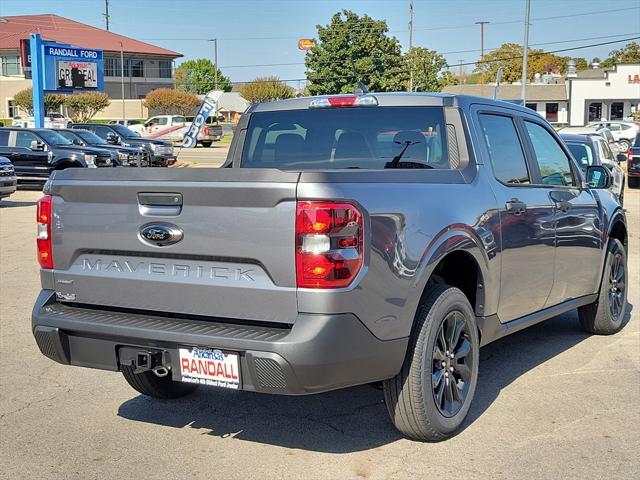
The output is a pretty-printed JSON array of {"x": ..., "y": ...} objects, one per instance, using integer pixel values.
[{"x": 235, "y": 258}]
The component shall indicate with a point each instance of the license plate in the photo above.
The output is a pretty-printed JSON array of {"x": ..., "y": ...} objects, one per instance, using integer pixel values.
[{"x": 209, "y": 367}]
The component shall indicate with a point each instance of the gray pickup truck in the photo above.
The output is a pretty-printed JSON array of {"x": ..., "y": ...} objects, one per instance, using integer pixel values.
[{"x": 347, "y": 240}]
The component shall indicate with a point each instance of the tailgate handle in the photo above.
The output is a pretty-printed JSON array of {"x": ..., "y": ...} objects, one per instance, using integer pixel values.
[{"x": 160, "y": 204}]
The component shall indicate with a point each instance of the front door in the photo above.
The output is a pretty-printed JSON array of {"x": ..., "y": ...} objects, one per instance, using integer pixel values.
[
  {"x": 577, "y": 221},
  {"x": 527, "y": 237}
]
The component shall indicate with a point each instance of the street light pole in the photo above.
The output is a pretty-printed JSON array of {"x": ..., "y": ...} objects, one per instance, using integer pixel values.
[
  {"x": 410, "y": 45},
  {"x": 215, "y": 71},
  {"x": 482, "y": 24},
  {"x": 525, "y": 57}
]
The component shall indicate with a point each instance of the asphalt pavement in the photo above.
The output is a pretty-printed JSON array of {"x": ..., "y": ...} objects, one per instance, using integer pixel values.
[{"x": 552, "y": 402}]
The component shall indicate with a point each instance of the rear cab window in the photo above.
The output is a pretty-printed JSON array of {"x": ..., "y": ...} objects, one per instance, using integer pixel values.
[{"x": 347, "y": 138}]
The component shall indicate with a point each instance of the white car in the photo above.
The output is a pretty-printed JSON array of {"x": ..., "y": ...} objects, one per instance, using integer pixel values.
[
  {"x": 51, "y": 120},
  {"x": 624, "y": 132}
]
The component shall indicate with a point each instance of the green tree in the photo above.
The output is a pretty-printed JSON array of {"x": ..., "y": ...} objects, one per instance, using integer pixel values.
[
  {"x": 198, "y": 76},
  {"x": 430, "y": 72},
  {"x": 509, "y": 57},
  {"x": 167, "y": 101},
  {"x": 85, "y": 105},
  {"x": 630, "y": 53},
  {"x": 351, "y": 49},
  {"x": 266, "y": 89},
  {"x": 24, "y": 100}
]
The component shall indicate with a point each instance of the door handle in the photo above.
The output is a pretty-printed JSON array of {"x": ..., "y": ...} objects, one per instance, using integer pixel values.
[{"x": 516, "y": 207}]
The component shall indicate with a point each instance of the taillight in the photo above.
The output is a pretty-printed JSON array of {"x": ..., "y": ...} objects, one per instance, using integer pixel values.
[
  {"x": 329, "y": 250},
  {"x": 205, "y": 131},
  {"x": 43, "y": 219}
]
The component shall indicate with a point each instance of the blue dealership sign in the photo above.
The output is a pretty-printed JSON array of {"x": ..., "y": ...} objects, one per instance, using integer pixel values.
[{"x": 69, "y": 69}]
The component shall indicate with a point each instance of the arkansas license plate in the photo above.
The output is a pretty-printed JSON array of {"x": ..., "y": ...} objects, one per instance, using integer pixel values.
[{"x": 209, "y": 367}]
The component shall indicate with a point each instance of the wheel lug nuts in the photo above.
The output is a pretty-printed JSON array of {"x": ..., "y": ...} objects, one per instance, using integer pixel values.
[
  {"x": 451, "y": 369},
  {"x": 452, "y": 355},
  {"x": 444, "y": 364},
  {"x": 446, "y": 374}
]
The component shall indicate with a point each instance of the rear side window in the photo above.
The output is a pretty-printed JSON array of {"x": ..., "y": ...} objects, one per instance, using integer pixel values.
[
  {"x": 4, "y": 138},
  {"x": 338, "y": 138},
  {"x": 505, "y": 149},
  {"x": 555, "y": 167},
  {"x": 101, "y": 131},
  {"x": 24, "y": 139}
]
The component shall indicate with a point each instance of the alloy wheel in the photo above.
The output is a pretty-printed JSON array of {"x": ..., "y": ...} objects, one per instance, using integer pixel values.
[
  {"x": 616, "y": 292},
  {"x": 452, "y": 364}
]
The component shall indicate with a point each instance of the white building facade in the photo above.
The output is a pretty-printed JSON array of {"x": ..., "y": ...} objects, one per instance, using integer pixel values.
[{"x": 599, "y": 94}]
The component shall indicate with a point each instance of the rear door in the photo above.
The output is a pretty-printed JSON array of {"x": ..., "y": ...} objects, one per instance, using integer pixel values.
[
  {"x": 526, "y": 219},
  {"x": 577, "y": 216},
  {"x": 234, "y": 256}
]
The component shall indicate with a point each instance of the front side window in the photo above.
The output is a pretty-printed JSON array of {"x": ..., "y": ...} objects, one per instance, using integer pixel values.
[
  {"x": 24, "y": 139},
  {"x": 338, "y": 138},
  {"x": 554, "y": 165},
  {"x": 505, "y": 149}
]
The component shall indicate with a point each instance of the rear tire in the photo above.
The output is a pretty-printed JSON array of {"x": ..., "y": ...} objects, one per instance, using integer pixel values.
[
  {"x": 206, "y": 144},
  {"x": 634, "y": 182},
  {"x": 430, "y": 397},
  {"x": 625, "y": 145},
  {"x": 605, "y": 315},
  {"x": 148, "y": 383}
]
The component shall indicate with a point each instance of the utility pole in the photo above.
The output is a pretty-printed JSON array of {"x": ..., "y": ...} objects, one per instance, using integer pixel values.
[
  {"x": 461, "y": 69},
  {"x": 525, "y": 56},
  {"x": 482, "y": 24},
  {"x": 106, "y": 13},
  {"x": 410, "y": 45},
  {"x": 122, "y": 79},
  {"x": 215, "y": 71}
]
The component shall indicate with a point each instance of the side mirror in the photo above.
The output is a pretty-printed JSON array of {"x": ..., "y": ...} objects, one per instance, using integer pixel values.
[
  {"x": 621, "y": 157},
  {"x": 37, "y": 146},
  {"x": 598, "y": 177},
  {"x": 112, "y": 138}
]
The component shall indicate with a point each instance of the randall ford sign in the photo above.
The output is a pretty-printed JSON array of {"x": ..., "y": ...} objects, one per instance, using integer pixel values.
[
  {"x": 77, "y": 74},
  {"x": 69, "y": 68}
]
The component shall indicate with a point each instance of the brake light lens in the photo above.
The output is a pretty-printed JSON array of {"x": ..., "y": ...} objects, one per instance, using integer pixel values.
[
  {"x": 329, "y": 238},
  {"x": 344, "y": 101},
  {"x": 43, "y": 239}
]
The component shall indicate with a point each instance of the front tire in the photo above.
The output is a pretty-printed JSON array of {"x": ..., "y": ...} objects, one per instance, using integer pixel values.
[
  {"x": 149, "y": 384},
  {"x": 625, "y": 145},
  {"x": 430, "y": 397},
  {"x": 605, "y": 316},
  {"x": 206, "y": 143}
]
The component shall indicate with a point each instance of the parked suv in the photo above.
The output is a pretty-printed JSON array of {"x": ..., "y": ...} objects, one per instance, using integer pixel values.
[
  {"x": 36, "y": 152},
  {"x": 633, "y": 164},
  {"x": 590, "y": 150},
  {"x": 160, "y": 151},
  {"x": 348, "y": 240},
  {"x": 8, "y": 179},
  {"x": 126, "y": 156}
]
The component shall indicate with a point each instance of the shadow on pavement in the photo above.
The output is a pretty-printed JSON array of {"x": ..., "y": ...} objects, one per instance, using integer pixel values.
[
  {"x": 9, "y": 204},
  {"x": 353, "y": 419}
]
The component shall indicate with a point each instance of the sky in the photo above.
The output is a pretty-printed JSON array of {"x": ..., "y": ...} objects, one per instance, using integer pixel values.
[{"x": 259, "y": 37}]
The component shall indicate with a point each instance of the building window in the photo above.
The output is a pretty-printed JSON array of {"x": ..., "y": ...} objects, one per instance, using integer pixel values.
[
  {"x": 10, "y": 65},
  {"x": 617, "y": 111},
  {"x": 134, "y": 68},
  {"x": 112, "y": 67},
  {"x": 551, "y": 112},
  {"x": 532, "y": 106},
  {"x": 164, "y": 67},
  {"x": 595, "y": 112},
  {"x": 12, "y": 110}
]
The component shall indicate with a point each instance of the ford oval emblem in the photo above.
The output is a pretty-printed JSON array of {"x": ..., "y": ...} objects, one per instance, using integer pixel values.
[{"x": 160, "y": 234}]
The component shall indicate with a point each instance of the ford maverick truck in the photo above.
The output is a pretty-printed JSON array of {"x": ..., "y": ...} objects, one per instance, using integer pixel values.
[{"x": 347, "y": 240}]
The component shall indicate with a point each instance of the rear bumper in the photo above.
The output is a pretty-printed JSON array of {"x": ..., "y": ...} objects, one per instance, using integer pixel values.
[{"x": 318, "y": 353}]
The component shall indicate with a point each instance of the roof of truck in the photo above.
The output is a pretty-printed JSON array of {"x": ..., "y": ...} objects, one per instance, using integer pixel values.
[{"x": 392, "y": 99}]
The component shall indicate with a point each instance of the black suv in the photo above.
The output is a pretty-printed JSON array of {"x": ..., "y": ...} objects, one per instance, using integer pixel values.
[
  {"x": 36, "y": 152},
  {"x": 127, "y": 156},
  {"x": 161, "y": 151}
]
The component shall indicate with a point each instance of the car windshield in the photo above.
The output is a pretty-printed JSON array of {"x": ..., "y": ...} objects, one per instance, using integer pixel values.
[
  {"x": 338, "y": 138},
  {"x": 583, "y": 153},
  {"x": 90, "y": 137},
  {"x": 71, "y": 136},
  {"x": 54, "y": 138},
  {"x": 124, "y": 131}
]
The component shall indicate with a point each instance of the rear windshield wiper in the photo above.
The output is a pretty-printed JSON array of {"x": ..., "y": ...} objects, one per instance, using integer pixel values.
[{"x": 395, "y": 160}]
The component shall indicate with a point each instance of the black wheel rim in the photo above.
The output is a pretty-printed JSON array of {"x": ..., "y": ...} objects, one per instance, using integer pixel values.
[
  {"x": 616, "y": 286},
  {"x": 452, "y": 364}
]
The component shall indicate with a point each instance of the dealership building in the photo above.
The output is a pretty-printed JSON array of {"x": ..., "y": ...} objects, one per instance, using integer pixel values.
[
  {"x": 576, "y": 99},
  {"x": 146, "y": 66}
]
